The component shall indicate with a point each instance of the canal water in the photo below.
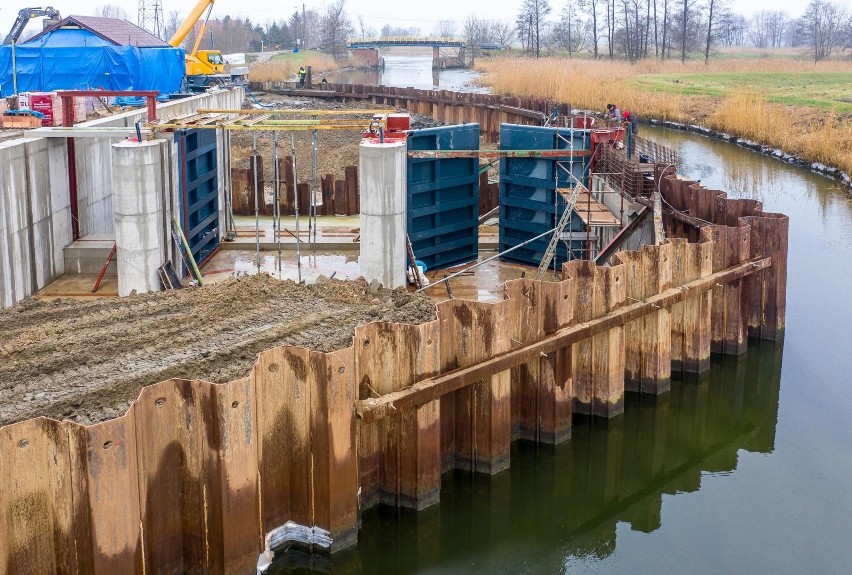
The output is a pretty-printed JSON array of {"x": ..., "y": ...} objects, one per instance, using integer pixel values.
[
  {"x": 405, "y": 71},
  {"x": 745, "y": 469}
]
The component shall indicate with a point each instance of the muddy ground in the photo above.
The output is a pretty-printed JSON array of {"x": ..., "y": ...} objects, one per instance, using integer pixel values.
[{"x": 87, "y": 360}]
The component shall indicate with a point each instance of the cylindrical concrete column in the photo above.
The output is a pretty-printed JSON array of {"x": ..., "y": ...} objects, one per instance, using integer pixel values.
[
  {"x": 383, "y": 203},
  {"x": 138, "y": 208}
]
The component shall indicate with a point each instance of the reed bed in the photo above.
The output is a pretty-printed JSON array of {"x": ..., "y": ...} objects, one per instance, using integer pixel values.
[
  {"x": 817, "y": 134},
  {"x": 285, "y": 69}
]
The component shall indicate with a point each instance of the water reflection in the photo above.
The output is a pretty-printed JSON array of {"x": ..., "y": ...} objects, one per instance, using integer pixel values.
[{"x": 557, "y": 509}]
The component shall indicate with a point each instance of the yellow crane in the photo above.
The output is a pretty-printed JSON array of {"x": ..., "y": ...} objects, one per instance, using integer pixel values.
[{"x": 201, "y": 65}]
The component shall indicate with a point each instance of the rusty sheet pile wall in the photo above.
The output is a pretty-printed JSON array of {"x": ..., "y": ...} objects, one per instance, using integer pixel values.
[
  {"x": 339, "y": 197},
  {"x": 195, "y": 474},
  {"x": 488, "y": 110}
]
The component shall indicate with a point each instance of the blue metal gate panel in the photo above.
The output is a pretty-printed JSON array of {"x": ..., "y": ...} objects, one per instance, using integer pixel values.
[
  {"x": 443, "y": 197},
  {"x": 528, "y": 186},
  {"x": 199, "y": 206}
]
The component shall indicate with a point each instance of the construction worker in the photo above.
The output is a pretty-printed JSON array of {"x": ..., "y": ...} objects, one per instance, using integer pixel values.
[
  {"x": 613, "y": 114},
  {"x": 302, "y": 74}
]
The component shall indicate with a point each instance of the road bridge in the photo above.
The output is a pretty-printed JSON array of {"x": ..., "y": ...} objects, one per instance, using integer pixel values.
[{"x": 366, "y": 49}]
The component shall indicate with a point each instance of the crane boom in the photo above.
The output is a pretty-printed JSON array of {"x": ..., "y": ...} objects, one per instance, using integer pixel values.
[
  {"x": 190, "y": 21},
  {"x": 25, "y": 16}
]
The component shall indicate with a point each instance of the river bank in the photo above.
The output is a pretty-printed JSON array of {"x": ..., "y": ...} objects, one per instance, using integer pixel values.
[{"x": 789, "y": 108}]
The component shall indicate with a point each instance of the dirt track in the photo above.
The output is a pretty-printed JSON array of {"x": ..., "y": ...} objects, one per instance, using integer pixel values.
[{"x": 87, "y": 361}]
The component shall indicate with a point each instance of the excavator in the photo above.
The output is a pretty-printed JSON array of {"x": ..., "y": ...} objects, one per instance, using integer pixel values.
[
  {"x": 24, "y": 16},
  {"x": 203, "y": 67}
]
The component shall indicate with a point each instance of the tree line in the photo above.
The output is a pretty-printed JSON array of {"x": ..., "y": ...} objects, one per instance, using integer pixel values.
[
  {"x": 630, "y": 29},
  {"x": 635, "y": 29}
]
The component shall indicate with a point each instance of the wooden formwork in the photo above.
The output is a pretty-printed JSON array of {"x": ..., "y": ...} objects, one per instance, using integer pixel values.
[{"x": 195, "y": 474}]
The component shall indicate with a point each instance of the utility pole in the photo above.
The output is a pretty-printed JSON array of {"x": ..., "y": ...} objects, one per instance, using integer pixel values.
[{"x": 304, "y": 27}]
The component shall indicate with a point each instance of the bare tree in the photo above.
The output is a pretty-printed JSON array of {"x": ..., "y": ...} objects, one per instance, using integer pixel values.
[
  {"x": 732, "y": 29},
  {"x": 388, "y": 30},
  {"x": 445, "y": 29},
  {"x": 364, "y": 30},
  {"x": 335, "y": 28},
  {"x": 502, "y": 33},
  {"x": 590, "y": 7},
  {"x": 569, "y": 31},
  {"x": 684, "y": 25},
  {"x": 823, "y": 23},
  {"x": 112, "y": 11},
  {"x": 534, "y": 13},
  {"x": 714, "y": 8},
  {"x": 173, "y": 22},
  {"x": 476, "y": 31}
]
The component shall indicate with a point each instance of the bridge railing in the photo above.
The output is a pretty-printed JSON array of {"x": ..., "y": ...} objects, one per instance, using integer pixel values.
[{"x": 407, "y": 40}]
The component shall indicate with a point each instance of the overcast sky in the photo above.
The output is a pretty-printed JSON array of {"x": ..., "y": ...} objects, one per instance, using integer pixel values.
[{"x": 376, "y": 13}]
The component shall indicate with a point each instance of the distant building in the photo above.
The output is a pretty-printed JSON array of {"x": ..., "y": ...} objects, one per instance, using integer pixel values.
[{"x": 87, "y": 53}]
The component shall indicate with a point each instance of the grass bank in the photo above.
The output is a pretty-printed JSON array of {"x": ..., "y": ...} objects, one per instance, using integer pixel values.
[{"x": 784, "y": 102}]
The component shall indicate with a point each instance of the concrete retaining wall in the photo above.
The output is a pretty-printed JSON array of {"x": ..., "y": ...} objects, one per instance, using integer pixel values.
[
  {"x": 35, "y": 210},
  {"x": 35, "y": 216}
]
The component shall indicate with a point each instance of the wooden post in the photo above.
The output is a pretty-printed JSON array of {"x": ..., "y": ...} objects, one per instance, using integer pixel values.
[
  {"x": 542, "y": 393},
  {"x": 340, "y": 208},
  {"x": 238, "y": 191},
  {"x": 390, "y": 357},
  {"x": 327, "y": 183},
  {"x": 598, "y": 362},
  {"x": 250, "y": 182},
  {"x": 352, "y": 192},
  {"x": 289, "y": 195},
  {"x": 304, "y": 191},
  {"x": 481, "y": 413}
]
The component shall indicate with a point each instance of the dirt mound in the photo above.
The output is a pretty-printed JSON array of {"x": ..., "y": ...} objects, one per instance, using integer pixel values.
[{"x": 87, "y": 361}]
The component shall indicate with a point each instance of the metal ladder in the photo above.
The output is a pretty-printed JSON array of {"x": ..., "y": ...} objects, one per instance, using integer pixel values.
[
  {"x": 569, "y": 205},
  {"x": 557, "y": 232}
]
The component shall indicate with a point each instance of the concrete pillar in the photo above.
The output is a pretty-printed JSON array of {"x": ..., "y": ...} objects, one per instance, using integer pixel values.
[
  {"x": 138, "y": 211},
  {"x": 383, "y": 215}
]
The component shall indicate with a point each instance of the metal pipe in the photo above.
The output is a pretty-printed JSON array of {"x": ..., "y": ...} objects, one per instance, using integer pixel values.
[
  {"x": 277, "y": 195},
  {"x": 485, "y": 261},
  {"x": 256, "y": 204},
  {"x": 296, "y": 206},
  {"x": 314, "y": 148},
  {"x": 15, "y": 71}
]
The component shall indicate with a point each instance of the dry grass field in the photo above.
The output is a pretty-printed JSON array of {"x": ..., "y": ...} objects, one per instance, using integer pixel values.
[
  {"x": 283, "y": 67},
  {"x": 786, "y": 102}
]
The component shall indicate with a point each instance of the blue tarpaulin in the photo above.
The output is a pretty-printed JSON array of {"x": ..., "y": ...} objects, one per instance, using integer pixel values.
[{"x": 80, "y": 60}]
